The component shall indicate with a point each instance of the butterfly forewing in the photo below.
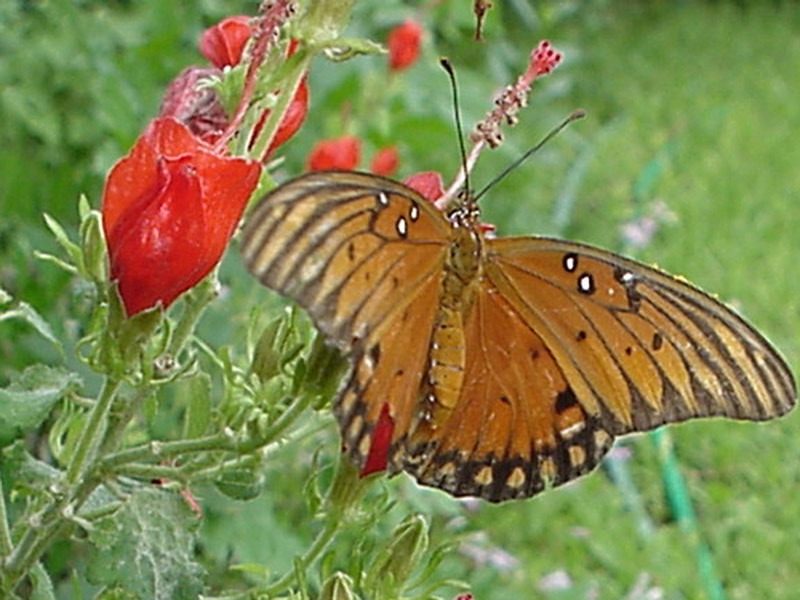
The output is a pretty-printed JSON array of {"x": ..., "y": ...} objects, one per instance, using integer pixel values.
[{"x": 350, "y": 248}]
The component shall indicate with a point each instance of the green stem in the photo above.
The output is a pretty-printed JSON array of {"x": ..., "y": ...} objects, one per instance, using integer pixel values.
[
  {"x": 53, "y": 521},
  {"x": 218, "y": 441},
  {"x": 6, "y": 545},
  {"x": 162, "y": 450},
  {"x": 92, "y": 434},
  {"x": 118, "y": 423},
  {"x": 320, "y": 543},
  {"x": 195, "y": 305},
  {"x": 345, "y": 493},
  {"x": 273, "y": 121}
]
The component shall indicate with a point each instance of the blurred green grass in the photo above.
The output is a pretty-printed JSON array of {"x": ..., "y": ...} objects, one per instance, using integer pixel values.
[{"x": 707, "y": 91}]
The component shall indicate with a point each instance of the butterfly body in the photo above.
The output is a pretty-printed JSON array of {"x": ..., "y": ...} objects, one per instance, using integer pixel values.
[{"x": 497, "y": 367}]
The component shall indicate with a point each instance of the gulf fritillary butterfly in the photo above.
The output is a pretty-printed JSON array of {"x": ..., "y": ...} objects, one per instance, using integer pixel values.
[{"x": 497, "y": 367}]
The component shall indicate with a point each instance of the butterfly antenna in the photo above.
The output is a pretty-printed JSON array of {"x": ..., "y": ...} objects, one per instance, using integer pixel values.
[
  {"x": 574, "y": 116},
  {"x": 457, "y": 110}
]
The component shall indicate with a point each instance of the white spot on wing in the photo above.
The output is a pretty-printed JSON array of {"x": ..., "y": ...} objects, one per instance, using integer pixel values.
[
  {"x": 402, "y": 227},
  {"x": 383, "y": 199}
]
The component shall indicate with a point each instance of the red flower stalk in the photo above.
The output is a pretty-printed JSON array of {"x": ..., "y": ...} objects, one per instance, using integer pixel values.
[
  {"x": 169, "y": 210},
  {"x": 385, "y": 161},
  {"x": 224, "y": 43},
  {"x": 404, "y": 41},
  {"x": 340, "y": 153}
]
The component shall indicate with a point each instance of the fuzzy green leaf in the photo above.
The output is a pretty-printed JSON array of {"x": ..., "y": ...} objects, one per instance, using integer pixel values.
[
  {"x": 146, "y": 548},
  {"x": 25, "y": 312},
  {"x": 27, "y": 400}
]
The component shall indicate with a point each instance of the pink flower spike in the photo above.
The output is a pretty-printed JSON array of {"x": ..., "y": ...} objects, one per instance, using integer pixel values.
[{"x": 544, "y": 59}]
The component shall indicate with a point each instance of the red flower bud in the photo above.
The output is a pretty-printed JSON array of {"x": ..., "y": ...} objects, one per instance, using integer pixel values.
[
  {"x": 197, "y": 107},
  {"x": 224, "y": 43},
  {"x": 169, "y": 210},
  {"x": 385, "y": 161},
  {"x": 341, "y": 153},
  {"x": 404, "y": 41}
]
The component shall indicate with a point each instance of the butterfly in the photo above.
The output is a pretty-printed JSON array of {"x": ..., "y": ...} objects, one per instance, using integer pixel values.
[{"x": 496, "y": 367}]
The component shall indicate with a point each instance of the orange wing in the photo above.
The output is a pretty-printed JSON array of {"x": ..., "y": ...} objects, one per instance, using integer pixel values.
[
  {"x": 365, "y": 257},
  {"x": 516, "y": 427},
  {"x": 638, "y": 347},
  {"x": 352, "y": 249}
]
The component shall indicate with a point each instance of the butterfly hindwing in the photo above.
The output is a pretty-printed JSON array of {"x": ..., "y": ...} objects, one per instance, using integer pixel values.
[{"x": 517, "y": 426}]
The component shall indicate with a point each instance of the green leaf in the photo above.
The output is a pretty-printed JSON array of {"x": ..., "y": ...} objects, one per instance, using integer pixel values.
[
  {"x": 196, "y": 391},
  {"x": 71, "y": 248},
  {"x": 146, "y": 549},
  {"x": 42, "y": 586},
  {"x": 26, "y": 472},
  {"x": 241, "y": 484},
  {"x": 343, "y": 48},
  {"x": 25, "y": 312},
  {"x": 28, "y": 399}
]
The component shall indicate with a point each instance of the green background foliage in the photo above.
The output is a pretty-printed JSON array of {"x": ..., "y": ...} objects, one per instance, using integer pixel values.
[{"x": 693, "y": 105}]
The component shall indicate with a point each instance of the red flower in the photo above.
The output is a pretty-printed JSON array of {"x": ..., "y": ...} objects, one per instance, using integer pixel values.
[
  {"x": 341, "y": 153},
  {"x": 427, "y": 183},
  {"x": 224, "y": 43},
  {"x": 385, "y": 161},
  {"x": 404, "y": 41},
  {"x": 169, "y": 210},
  {"x": 197, "y": 107}
]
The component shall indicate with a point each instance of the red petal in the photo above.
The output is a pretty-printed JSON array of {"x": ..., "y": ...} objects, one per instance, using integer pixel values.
[
  {"x": 404, "y": 41},
  {"x": 381, "y": 441},
  {"x": 341, "y": 153},
  {"x": 169, "y": 210},
  {"x": 153, "y": 250},
  {"x": 385, "y": 162},
  {"x": 427, "y": 183},
  {"x": 224, "y": 43}
]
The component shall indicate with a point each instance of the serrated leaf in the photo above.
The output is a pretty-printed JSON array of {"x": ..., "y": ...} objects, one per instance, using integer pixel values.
[
  {"x": 27, "y": 400},
  {"x": 146, "y": 548},
  {"x": 25, "y": 312}
]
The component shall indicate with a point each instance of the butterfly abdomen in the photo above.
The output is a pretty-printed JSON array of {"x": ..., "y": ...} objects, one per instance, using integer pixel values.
[{"x": 448, "y": 346}]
